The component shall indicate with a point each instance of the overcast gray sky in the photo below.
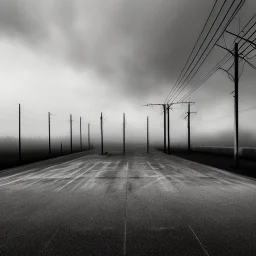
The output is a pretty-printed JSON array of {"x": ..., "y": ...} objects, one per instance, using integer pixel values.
[{"x": 83, "y": 57}]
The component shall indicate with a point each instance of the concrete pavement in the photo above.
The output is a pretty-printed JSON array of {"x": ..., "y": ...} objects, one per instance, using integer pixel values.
[{"x": 137, "y": 204}]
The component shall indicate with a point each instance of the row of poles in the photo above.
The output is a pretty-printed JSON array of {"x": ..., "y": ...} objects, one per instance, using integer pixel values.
[
  {"x": 124, "y": 140},
  {"x": 71, "y": 134},
  {"x": 166, "y": 107},
  {"x": 166, "y": 111},
  {"x": 49, "y": 135}
]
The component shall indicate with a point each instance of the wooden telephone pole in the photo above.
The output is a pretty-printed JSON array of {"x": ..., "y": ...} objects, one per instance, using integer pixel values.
[
  {"x": 101, "y": 128},
  {"x": 188, "y": 116},
  {"x": 168, "y": 127},
  {"x": 89, "y": 143},
  {"x": 124, "y": 133},
  {"x": 49, "y": 128},
  {"x": 19, "y": 134},
  {"x": 81, "y": 145},
  {"x": 236, "y": 138},
  {"x": 147, "y": 135},
  {"x": 61, "y": 149},
  {"x": 236, "y": 85},
  {"x": 71, "y": 142},
  {"x": 164, "y": 110}
]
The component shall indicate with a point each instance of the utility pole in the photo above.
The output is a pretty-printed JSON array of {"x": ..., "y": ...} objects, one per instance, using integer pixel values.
[
  {"x": 81, "y": 146},
  {"x": 61, "y": 149},
  {"x": 89, "y": 145},
  {"x": 19, "y": 134},
  {"x": 236, "y": 138},
  {"x": 164, "y": 106},
  {"x": 147, "y": 135},
  {"x": 189, "y": 127},
  {"x": 101, "y": 128},
  {"x": 188, "y": 116},
  {"x": 168, "y": 127},
  {"x": 124, "y": 133},
  {"x": 49, "y": 127},
  {"x": 236, "y": 80},
  {"x": 168, "y": 109},
  {"x": 71, "y": 149}
]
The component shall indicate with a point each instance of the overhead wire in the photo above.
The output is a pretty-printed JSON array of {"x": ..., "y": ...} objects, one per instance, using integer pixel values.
[
  {"x": 207, "y": 45},
  {"x": 183, "y": 85},
  {"x": 177, "y": 81},
  {"x": 215, "y": 68},
  {"x": 205, "y": 38},
  {"x": 222, "y": 62}
]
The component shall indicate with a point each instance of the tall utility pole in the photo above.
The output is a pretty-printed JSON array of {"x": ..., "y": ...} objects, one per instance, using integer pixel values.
[
  {"x": 49, "y": 127},
  {"x": 124, "y": 133},
  {"x": 236, "y": 80},
  {"x": 61, "y": 149},
  {"x": 164, "y": 107},
  {"x": 89, "y": 143},
  {"x": 167, "y": 107},
  {"x": 188, "y": 116},
  {"x": 168, "y": 127},
  {"x": 71, "y": 143},
  {"x": 236, "y": 138},
  {"x": 101, "y": 128},
  {"x": 188, "y": 127},
  {"x": 81, "y": 146},
  {"x": 147, "y": 135},
  {"x": 19, "y": 134}
]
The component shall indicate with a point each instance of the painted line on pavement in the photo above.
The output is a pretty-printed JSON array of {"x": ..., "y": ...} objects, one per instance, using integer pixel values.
[
  {"x": 159, "y": 175},
  {"x": 49, "y": 241},
  {"x": 54, "y": 176},
  {"x": 92, "y": 178},
  {"x": 30, "y": 170},
  {"x": 199, "y": 241},
  {"x": 35, "y": 173},
  {"x": 77, "y": 177},
  {"x": 150, "y": 183},
  {"x": 47, "y": 169}
]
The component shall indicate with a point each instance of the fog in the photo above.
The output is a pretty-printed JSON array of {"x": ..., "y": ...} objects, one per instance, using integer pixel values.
[{"x": 87, "y": 57}]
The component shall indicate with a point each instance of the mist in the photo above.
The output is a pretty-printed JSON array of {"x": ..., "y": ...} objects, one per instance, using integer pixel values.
[{"x": 87, "y": 57}]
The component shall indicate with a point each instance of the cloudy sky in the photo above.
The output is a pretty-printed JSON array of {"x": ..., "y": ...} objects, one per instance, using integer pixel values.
[{"x": 83, "y": 57}]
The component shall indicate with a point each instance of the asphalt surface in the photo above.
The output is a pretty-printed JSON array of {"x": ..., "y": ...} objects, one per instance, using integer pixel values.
[{"x": 137, "y": 204}]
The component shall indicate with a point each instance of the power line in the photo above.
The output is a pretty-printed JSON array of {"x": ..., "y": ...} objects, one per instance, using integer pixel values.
[
  {"x": 222, "y": 62},
  {"x": 204, "y": 79},
  {"x": 231, "y": 18},
  {"x": 179, "y": 80},
  {"x": 191, "y": 52},
  {"x": 186, "y": 82}
]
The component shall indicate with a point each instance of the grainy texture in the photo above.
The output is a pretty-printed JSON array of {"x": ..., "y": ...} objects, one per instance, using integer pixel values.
[{"x": 137, "y": 204}]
